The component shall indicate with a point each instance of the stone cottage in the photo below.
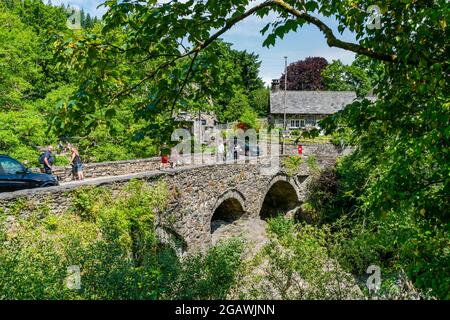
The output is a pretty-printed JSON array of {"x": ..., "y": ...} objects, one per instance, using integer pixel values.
[
  {"x": 199, "y": 124},
  {"x": 305, "y": 108}
]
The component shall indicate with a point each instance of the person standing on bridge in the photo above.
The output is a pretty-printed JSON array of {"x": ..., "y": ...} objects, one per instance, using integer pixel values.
[
  {"x": 47, "y": 159},
  {"x": 164, "y": 153},
  {"x": 174, "y": 157},
  {"x": 77, "y": 165},
  {"x": 236, "y": 150},
  {"x": 221, "y": 151}
]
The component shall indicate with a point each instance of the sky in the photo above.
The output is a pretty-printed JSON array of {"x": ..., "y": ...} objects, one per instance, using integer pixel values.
[{"x": 308, "y": 41}]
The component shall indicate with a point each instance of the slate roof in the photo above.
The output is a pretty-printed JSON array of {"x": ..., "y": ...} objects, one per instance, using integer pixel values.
[
  {"x": 310, "y": 102},
  {"x": 193, "y": 116}
]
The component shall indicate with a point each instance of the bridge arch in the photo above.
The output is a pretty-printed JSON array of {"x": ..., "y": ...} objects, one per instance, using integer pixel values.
[
  {"x": 282, "y": 196},
  {"x": 228, "y": 208}
]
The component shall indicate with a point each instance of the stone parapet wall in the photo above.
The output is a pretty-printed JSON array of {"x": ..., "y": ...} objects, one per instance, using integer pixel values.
[
  {"x": 319, "y": 150},
  {"x": 196, "y": 189},
  {"x": 194, "y": 193},
  {"x": 105, "y": 169},
  {"x": 116, "y": 168},
  {"x": 119, "y": 168}
]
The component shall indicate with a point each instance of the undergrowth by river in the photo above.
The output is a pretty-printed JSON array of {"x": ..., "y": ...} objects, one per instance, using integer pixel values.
[{"x": 113, "y": 240}]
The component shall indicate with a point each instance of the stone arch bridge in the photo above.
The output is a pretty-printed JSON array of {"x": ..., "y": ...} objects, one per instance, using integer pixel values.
[{"x": 201, "y": 194}]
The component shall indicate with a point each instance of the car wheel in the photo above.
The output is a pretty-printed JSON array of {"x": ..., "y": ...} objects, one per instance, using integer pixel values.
[{"x": 48, "y": 185}]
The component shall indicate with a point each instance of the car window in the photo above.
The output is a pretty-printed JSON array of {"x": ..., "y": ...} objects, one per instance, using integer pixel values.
[{"x": 10, "y": 166}]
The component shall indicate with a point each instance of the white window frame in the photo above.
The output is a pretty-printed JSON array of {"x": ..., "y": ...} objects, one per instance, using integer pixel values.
[
  {"x": 311, "y": 121},
  {"x": 297, "y": 123}
]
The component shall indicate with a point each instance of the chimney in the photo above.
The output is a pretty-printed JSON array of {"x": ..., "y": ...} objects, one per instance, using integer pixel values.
[{"x": 275, "y": 85}]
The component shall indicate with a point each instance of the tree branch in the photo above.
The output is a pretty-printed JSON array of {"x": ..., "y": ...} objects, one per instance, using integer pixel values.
[
  {"x": 191, "y": 66},
  {"x": 332, "y": 41}
]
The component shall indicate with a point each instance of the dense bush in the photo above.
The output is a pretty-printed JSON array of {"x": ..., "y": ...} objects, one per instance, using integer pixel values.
[
  {"x": 210, "y": 275},
  {"x": 400, "y": 241},
  {"x": 303, "y": 261},
  {"x": 113, "y": 241},
  {"x": 296, "y": 264}
]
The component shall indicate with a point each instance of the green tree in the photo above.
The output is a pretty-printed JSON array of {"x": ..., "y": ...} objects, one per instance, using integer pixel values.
[
  {"x": 249, "y": 117},
  {"x": 235, "y": 107},
  {"x": 259, "y": 101},
  {"x": 36, "y": 90},
  {"x": 374, "y": 69},
  {"x": 220, "y": 79},
  {"x": 340, "y": 77},
  {"x": 18, "y": 61},
  {"x": 402, "y": 138}
]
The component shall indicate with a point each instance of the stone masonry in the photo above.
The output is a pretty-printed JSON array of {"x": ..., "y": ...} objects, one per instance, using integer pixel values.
[{"x": 198, "y": 191}]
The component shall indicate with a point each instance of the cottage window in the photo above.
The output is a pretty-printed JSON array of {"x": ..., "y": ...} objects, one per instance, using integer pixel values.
[
  {"x": 295, "y": 123},
  {"x": 311, "y": 122}
]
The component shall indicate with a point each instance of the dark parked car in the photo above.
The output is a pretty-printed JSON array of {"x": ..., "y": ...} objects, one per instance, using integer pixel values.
[
  {"x": 253, "y": 151},
  {"x": 15, "y": 176}
]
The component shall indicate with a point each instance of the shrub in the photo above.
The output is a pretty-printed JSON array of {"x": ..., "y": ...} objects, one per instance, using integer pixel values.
[
  {"x": 113, "y": 240},
  {"x": 297, "y": 265},
  {"x": 292, "y": 164},
  {"x": 400, "y": 241},
  {"x": 88, "y": 201},
  {"x": 210, "y": 275}
]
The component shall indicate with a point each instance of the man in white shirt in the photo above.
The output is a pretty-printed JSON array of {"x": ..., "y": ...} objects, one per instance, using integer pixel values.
[{"x": 220, "y": 152}]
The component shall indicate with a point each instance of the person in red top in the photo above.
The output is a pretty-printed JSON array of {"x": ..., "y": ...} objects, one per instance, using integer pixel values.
[{"x": 165, "y": 153}]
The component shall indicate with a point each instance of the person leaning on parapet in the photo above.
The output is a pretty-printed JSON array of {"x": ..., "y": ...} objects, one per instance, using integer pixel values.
[
  {"x": 47, "y": 160},
  {"x": 77, "y": 164}
]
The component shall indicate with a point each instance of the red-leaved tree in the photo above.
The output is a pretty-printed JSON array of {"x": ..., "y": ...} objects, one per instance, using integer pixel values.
[{"x": 305, "y": 74}]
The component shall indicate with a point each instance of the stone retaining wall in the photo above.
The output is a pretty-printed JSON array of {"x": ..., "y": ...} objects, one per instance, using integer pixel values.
[
  {"x": 196, "y": 189},
  {"x": 195, "y": 192}
]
